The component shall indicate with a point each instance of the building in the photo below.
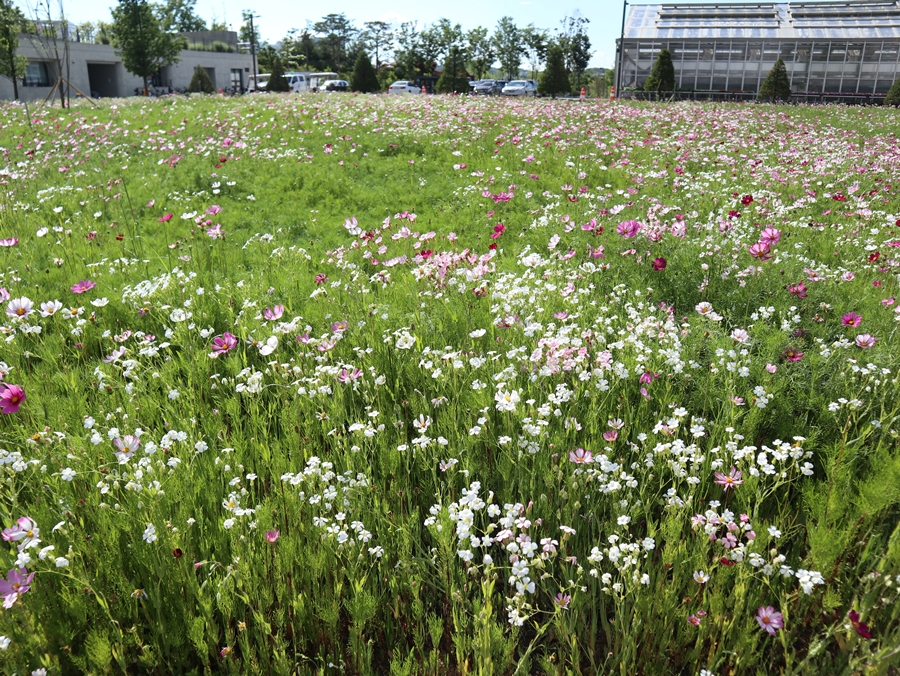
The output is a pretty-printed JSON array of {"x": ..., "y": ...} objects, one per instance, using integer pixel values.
[
  {"x": 832, "y": 50},
  {"x": 95, "y": 70}
]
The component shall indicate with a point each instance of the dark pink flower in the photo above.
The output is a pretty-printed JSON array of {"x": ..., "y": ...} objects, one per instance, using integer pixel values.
[
  {"x": 223, "y": 344},
  {"x": 166, "y": 218},
  {"x": 82, "y": 286},
  {"x": 860, "y": 628},
  {"x": 272, "y": 535},
  {"x": 760, "y": 250},
  {"x": 11, "y": 398},
  {"x": 659, "y": 264},
  {"x": 798, "y": 290},
  {"x": 628, "y": 229},
  {"x": 770, "y": 236},
  {"x": 851, "y": 319}
]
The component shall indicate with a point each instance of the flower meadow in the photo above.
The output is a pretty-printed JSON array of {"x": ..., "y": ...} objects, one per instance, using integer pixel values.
[{"x": 359, "y": 385}]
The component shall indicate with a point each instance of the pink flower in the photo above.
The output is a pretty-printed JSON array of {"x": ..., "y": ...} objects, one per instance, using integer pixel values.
[
  {"x": 82, "y": 286},
  {"x": 865, "y": 341},
  {"x": 730, "y": 480},
  {"x": 223, "y": 344},
  {"x": 648, "y": 377},
  {"x": 19, "y": 307},
  {"x": 790, "y": 354},
  {"x": 851, "y": 319},
  {"x": 580, "y": 456},
  {"x": 760, "y": 250},
  {"x": 611, "y": 435},
  {"x": 771, "y": 368},
  {"x": 320, "y": 278},
  {"x": 11, "y": 398},
  {"x": 769, "y": 619},
  {"x": 214, "y": 209},
  {"x": 659, "y": 264},
  {"x": 628, "y": 229},
  {"x": 859, "y": 627},
  {"x": 770, "y": 236},
  {"x": 9, "y": 241},
  {"x": 166, "y": 218},
  {"x": 597, "y": 253},
  {"x": 798, "y": 290},
  {"x": 272, "y": 535},
  {"x": 273, "y": 313},
  {"x": 216, "y": 232},
  {"x": 25, "y": 532},
  {"x": 17, "y": 583}
]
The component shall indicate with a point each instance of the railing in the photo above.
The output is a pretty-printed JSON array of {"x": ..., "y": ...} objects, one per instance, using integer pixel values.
[{"x": 807, "y": 97}]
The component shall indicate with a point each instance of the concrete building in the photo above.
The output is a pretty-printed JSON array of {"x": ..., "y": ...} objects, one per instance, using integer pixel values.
[
  {"x": 832, "y": 50},
  {"x": 96, "y": 70}
]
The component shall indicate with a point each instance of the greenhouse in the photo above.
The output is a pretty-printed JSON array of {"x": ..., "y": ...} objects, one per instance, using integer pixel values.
[{"x": 832, "y": 50}]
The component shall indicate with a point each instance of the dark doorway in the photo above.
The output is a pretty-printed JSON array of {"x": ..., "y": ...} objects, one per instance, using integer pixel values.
[{"x": 103, "y": 78}]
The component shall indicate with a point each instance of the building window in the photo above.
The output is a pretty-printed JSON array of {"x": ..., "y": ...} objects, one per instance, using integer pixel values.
[
  {"x": 237, "y": 83},
  {"x": 37, "y": 74}
]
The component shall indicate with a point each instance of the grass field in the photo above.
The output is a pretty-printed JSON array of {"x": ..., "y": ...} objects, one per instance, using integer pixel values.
[{"x": 428, "y": 385}]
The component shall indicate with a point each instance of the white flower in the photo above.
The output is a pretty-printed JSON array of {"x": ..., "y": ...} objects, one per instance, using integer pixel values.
[
  {"x": 42, "y": 232},
  {"x": 150, "y": 533},
  {"x": 174, "y": 394},
  {"x": 405, "y": 341},
  {"x": 700, "y": 577},
  {"x": 100, "y": 302},
  {"x": 774, "y": 532},
  {"x": 269, "y": 346},
  {"x": 228, "y": 523},
  {"x": 89, "y": 422},
  {"x": 4, "y": 641},
  {"x": 477, "y": 333},
  {"x": 179, "y": 315},
  {"x": 61, "y": 562},
  {"x": 624, "y": 520},
  {"x": 67, "y": 474},
  {"x": 506, "y": 401}
]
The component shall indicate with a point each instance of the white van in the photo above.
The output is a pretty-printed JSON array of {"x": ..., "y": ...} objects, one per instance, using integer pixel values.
[{"x": 300, "y": 81}]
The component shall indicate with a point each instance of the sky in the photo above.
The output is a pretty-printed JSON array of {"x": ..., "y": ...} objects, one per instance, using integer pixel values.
[{"x": 276, "y": 17}]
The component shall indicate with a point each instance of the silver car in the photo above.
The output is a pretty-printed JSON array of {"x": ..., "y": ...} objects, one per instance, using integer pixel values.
[{"x": 520, "y": 88}]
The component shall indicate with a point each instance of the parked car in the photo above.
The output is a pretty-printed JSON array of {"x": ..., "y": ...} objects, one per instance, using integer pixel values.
[
  {"x": 520, "y": 88},
  {"x": 488, "y": 87},
  {"x": 335, "y": 86},
  {"x": 404, "y": 87}
]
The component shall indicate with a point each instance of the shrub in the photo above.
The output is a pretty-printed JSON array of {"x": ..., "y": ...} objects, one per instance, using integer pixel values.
[
  {"x": 200, "y": 82},
  {"x": 277, "y": 81},
  {"x": 554, "y": 79},
  {"x": 777, "y": 85},
  {"x": 364, "y": 78},
  {"x": 893, "y": 95},
  {"x": 662, "y": 76}
]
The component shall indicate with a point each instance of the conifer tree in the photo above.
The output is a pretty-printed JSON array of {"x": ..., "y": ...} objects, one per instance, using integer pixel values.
[
  {"x": 277, "y": 81},
  {"x": 554, "y": 79},
  {"x": 777, "y": 85},
  {"x": 364, "y": 78},
  {"x": 453, "y": 77},
  {"x": 200, "y": 82},
  {"x": 893, "y": 95},
  {"x": 662, "y": 76}
]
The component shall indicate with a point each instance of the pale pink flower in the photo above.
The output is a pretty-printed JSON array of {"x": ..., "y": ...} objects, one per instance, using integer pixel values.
[
  {"x": 865, "y": 341},
  {"x": 273, "y": 313}
]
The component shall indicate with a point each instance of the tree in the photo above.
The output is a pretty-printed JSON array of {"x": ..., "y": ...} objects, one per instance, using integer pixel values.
[
  {"x": 777, "y": 85},
  {"x": 893, "y": 95},
  {"x": 480, "y": 51},
  {"x": 554, "y": 79},
  {"x": 200, "y": 82},
  {"x": 364, "y": 78},
  {"x": 181, "y": 16},
  {"x": 441, "y": 37},
  {"x": 453, "y": 77},
  {"x": 576, "y": 46},
  {"x": 141, "y": 42},
  {"x": 293, "y": 51},
  {"x": 336, "y": 31},
  {"x": 535, "y": 41},
  {"x": 265, "y": 58},
  {"x": 379, "y": 37},
  {"x": 509, "y": 47},
  {"x": 11, "y": 64},
  {"x": 662, "y": 75},
  {"x": 277, "y": 81}
]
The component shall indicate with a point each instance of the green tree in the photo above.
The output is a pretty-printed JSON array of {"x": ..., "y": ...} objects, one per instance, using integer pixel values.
[
  {"x": 200, "y": 82},
  {"x": 364, "y": 78},
  {"x": 453, "y": 77},
  {"x": 893, "y": 95},
  {"x": 181, "y": 16},
  {"x": 378, "y": 37},
  {"x": 508, "y": 43},
  {"x": 576, "y": 47},
  {"x": 141, "y": 42},
  {"x": 442, "y": 36},
  {"x": 536, "y": 41},
  {"x": 777, "y": 85},
  {"x": 554, "y": 79},
  {"x": 480, "y": 51},
  {"x": 662, "y": 75},
  {"x": 265, "y": 58},
  {"x": 12, "y": 65},
  {"x": 336, "y": 31},
  {"x": 277, "y": 81}
]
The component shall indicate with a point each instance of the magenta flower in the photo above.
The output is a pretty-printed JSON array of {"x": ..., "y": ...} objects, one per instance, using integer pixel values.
[
  {"x": 770, "y": 236},
  {"x": 223, "y": 344},
  {"x": 580, "y": 456},
  {"x": 859, "y": 627},
  {"x": 214, "y": 209},
  {"x": 760, "y": 250},
  {"x": 770, "y": 619},
  {"x": 851, "y": 319},
  {"x": 611, "y": 435},
  {"x": 648, "y": 377},
  {"x": 165, "y": 219},
  {"x": 865, "y": 341},
  {"x": 659, "y": 264},
  {"x": 17, "y": 583},
  {"x": 562, "y": 601},
  {"x": 628, "y": 229},
  {"x": 272, "y": 535},
  {"x": 11, "y": 398},
  {"x": 730, "y": 480},
  {"x": 82, "y": 286},
  {"x": 9, "y": 241},
  {"x": 273, "y": 313},
  {"x": 798, "y": 290},
  {"x": 320, "y": 278}
]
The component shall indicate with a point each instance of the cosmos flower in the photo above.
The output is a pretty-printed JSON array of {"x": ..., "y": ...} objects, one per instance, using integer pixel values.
[
  {"x": 82, "y": 286},
  {"x": 730, "y": 480},
  {"x": 11, "y": 398},
  {"x": 223, "y": 344},
  {"x": 769, "y": 619}
]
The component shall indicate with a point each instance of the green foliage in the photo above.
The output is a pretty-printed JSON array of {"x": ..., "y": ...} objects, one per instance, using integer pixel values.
[
  {"x": 277, "y": 81},
  {"x": 336, "y": 31},
  {"x": 200, "y": 82},
  {"x": 141, "y": 39},
  {"x": 364, "y": 78},
  {"x": 893, "y": 95},
  {"x": 554, "y": 80},
  {"x": 453, "y": 77},
  {"x": 480, "y": 52},
  {"x": 777, "y": 85},
  {"x": 662, "y": 75},
  {"x": 181, "y": 16},
  {"x": 12, "y": 65},
  {"x": 508, "y": 47},
  {"x": 576, "y": 47}
]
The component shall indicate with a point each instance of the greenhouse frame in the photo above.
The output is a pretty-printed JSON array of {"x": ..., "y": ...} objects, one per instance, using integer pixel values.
[{"x": 832, "y": 50}]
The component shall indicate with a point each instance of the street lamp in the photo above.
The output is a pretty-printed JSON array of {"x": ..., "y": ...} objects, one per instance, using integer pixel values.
[
  {"x": 620, "y": 55},
  {"x": 249, "y": 16}
]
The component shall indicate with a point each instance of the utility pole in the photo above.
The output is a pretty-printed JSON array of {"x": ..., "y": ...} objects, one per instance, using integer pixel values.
[
  {"x": 249, "y": 16},
  {"x": 620, "y": 53}
]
